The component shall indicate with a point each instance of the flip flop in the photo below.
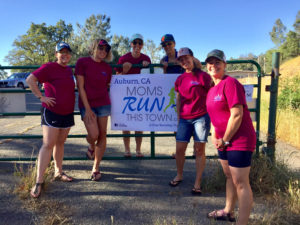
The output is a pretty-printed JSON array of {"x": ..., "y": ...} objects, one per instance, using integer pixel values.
[
  {"x": 127, "y": 154},
  {"x": 63, "y": 177},
  {"x": 96, "y": 176},
  {"x": 196, "y": 191},
  {"x": 220, "y": 215},
  {"x": 139, "y": 155},
  {"x": 90, "y": 153},
  {"x": 36, "y": 190},
  {"x": 174, "y": 183}
]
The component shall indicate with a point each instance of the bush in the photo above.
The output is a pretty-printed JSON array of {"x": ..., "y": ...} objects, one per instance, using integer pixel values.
[{"x": 289, "y": 97}]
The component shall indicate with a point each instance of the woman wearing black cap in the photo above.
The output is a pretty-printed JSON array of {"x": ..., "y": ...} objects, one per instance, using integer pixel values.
[
  {"x": 56, "y": 112},
  {"x": 93, "y": 76}
]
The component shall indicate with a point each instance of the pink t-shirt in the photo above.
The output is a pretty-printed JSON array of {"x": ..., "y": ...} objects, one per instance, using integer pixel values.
[
  {"x": 97, "y": 76},
  {"x": 193, "y": 90},
  {"x": 220, "y": 99},
  {"x": 58, "y": 83},
  {"x": 129, "y": 58}
]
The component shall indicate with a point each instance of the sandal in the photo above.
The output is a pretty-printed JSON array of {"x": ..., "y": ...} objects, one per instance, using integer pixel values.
[
  {"x": 127, "y": 154},
  {"x": 63, "y": 177},
  {"x": 139, "y": 154},
  {"x": 96, "y": 176},
  {"x": 90, "y": 154},
  {"x": 221, "y": 215},
  {"x": 174, "y": 183},
  {"x": 196, "y": 191},
  {"x": 36, "y": 190}
]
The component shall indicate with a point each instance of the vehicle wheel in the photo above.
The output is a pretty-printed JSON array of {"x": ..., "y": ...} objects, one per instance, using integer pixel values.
[{"x": 21, "y": 85}]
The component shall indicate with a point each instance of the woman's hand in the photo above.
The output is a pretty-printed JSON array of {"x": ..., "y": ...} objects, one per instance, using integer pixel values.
[
  {"x": 126, "y": 67},
  {"x": 145, "y": 63},
  {"x": 49, "y": 101},
  {"x": 89, "y": 116}
]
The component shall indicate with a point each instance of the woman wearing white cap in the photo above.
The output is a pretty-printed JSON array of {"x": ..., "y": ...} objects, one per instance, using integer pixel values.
[
  {"x": 233, "y": 135},
  {"x": 57, "y": 112},
  {"x": 93, "y": 76},
  {"x": 193, "y": 120},
  {"x": 127, "y": 60}
]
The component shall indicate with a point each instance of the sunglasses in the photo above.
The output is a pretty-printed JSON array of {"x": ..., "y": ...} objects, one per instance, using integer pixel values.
[
  {"x": 103, "y": 48},
  {"x": 137, "y": 43},
  {"x": 167, "y": 44}
]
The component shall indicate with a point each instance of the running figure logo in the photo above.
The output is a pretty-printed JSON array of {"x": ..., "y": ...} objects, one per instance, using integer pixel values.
[{"x": 172, "y": 102}]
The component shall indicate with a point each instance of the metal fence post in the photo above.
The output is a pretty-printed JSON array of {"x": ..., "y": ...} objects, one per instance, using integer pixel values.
[{"x": 271, "y": 139}]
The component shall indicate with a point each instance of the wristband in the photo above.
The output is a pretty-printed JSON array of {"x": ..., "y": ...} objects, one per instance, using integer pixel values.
[{"x": 225, "y": 143}]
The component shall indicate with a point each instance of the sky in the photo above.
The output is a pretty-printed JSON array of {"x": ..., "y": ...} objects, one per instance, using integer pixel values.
[{"x": 238, "y": 27}]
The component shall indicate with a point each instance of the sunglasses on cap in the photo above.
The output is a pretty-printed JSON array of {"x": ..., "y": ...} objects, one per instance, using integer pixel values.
[
  {"x": 137, "y": 43},
  {"x": 103, "y": 48},
  {"x": 167, "y": 44}
]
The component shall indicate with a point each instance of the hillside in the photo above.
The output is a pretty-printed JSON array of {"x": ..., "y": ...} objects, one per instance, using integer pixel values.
[{"x": 290, "y": 68}]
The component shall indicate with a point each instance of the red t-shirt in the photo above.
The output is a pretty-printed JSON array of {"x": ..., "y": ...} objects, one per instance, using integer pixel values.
[
  {"x": 129, "y": 58},
  {"x": 193, "y": 90},
  {"x": 97, "y": 76},
  {"x": 58, "y": 83},
  {"x": 220, "y": 99}
]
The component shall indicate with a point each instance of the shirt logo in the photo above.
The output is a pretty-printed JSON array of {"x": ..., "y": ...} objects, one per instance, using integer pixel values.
[
  {"x": 218, "y": 98},
  {"x": 194, "y": 82},
  {"x": 104, "y": 73}
]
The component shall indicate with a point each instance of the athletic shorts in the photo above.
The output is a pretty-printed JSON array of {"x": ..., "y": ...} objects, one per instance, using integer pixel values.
[
  {"x": 198, "y": 128},
  {"x": 100, "y": 111},
  {"x": 238, "y": 159},
  {"x": 52, "y": 119}
]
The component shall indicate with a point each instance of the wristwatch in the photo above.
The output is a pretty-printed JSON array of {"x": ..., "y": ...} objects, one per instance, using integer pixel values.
[{"x": 225, "y": 143}]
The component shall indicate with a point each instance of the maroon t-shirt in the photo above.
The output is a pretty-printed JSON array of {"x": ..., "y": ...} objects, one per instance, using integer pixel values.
[
  {"x": 97, "y": 76},
  {"x": 58, "y": 83},
  {"x": 193, "y": 89},
  {"x": 129, "y": 58},
  {"x": 220, "y": 99}
]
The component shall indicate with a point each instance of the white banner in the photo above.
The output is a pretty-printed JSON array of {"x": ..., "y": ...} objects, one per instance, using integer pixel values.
[{"x": 143, "y": 102}]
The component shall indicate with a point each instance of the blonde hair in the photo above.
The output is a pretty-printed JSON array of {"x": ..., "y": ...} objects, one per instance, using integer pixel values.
[{"x": 93, "y": 50}]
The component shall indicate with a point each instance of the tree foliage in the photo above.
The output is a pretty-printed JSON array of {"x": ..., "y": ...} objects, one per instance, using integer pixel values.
[
  {"x": 289, "y": 97},
  {"x": 37, "y": 46},
  {"x": 95, "y": 27},
  {"x": 120, "y": 46},
  {"x": 278, "y": 33},
  {"x": 297, "y": 23},
  {"x": 153, "y": 51},
  {"x": 3, "y": 74}
]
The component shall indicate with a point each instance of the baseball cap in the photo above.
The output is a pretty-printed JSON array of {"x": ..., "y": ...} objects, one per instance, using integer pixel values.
[
  {"x": 62, "y": 45},
  {"x": 217, "y": 54},
  {"x": 136, "y": 36},
  {"x": 167, "y": 38},
  {"x": 184, "y": 51},
  {"x": 103, "y": 42}
]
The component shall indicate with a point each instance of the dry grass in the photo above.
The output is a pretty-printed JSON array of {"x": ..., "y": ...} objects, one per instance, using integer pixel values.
[{"x": 45, "y": 211}]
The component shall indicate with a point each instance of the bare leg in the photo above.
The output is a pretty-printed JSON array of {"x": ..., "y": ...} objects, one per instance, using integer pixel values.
[
  {"x": 199, "y": 149},
  {"x": 93, "y": 133},
  {"x": 240, "y": 177},
  {"x": 126, "y": 141},
  {"x": 58, "y": 151},
  {"x": 138, "y": 141},
  {"x": 180, "y": 159},
  {"x": 231, "y": 196},
  {"x": 101, "y": 143},
  {"x": 50, "y": 136}
]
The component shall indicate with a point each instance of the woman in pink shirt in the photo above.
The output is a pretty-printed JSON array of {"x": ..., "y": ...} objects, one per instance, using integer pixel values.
[
  {"x": 56, "y": 112},
  {"x": 233, "y": 135},
  {"x": 93, "y": 76},
  {"x": 193, "y": 120}
]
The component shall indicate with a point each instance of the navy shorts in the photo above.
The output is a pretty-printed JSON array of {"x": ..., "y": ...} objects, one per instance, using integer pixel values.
[
  {"x": 238, "y": 159},
  {"x": 198, "y": 127},
  {"x": 52, "y": 119},
  {"x": 100, "y": 111}
]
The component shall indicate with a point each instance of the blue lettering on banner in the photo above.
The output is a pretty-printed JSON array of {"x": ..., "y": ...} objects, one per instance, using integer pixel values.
[{"x": 132, "y": 104}]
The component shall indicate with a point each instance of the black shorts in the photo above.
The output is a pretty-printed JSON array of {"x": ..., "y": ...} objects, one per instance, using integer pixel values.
[
  {"x": 238, "y": 159},
  {"x": 52, "y": 119}
]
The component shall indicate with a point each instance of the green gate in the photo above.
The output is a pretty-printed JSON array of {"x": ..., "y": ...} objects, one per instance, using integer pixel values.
[{"x": 151, "y": 135}]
